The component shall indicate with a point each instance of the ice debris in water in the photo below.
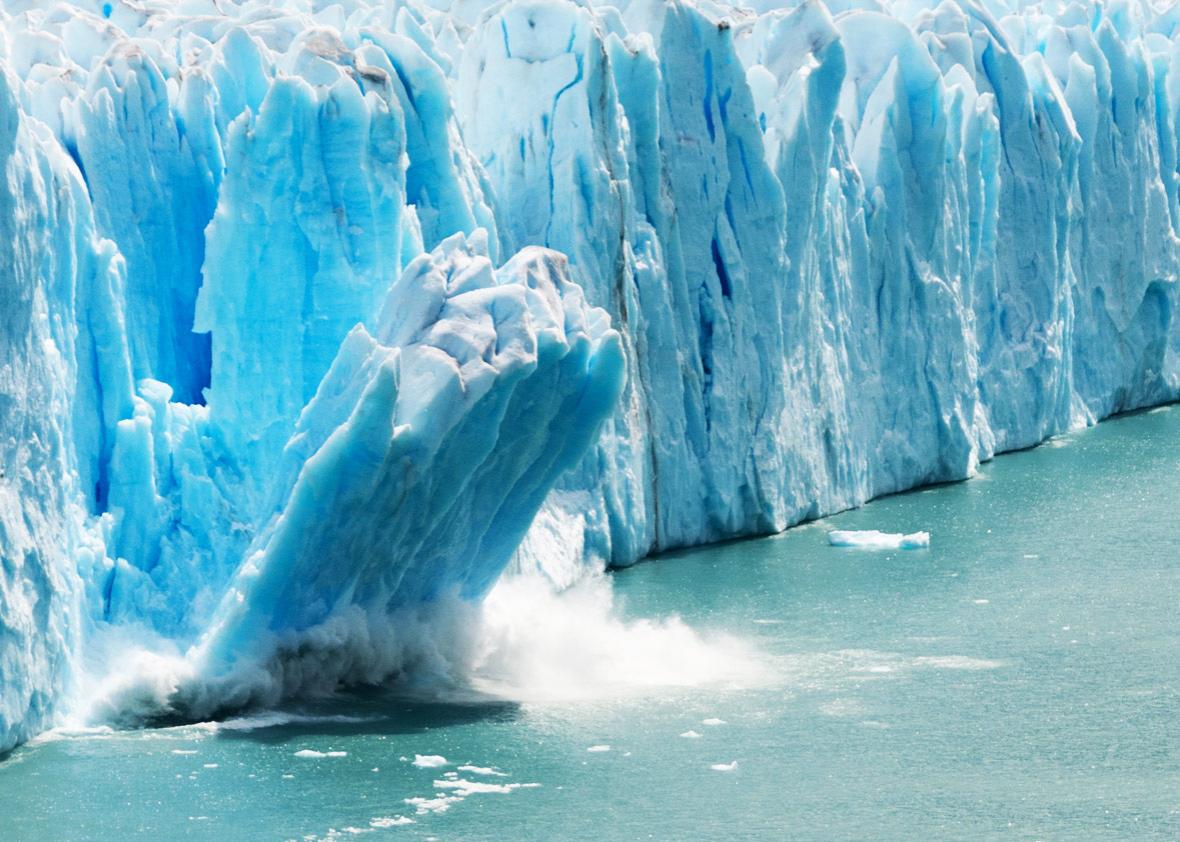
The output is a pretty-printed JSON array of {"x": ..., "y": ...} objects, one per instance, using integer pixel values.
[
  {"x": 464, "y": 788},
  {"x": 382, "y": 822},
  {"x": 482, "y": 770},
  {"x": 429, "y": 761},
  {"x": 871, "y": 539}
]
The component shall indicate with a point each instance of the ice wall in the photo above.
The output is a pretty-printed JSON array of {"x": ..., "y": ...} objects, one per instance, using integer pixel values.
[
  {"x": 60, "y": 333},
  {"x": 847, "y": 249}
]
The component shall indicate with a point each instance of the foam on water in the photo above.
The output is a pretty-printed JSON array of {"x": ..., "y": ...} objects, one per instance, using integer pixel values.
[
  {"x": 545, "y": 646},
  {"x": 529, "y": 643}
]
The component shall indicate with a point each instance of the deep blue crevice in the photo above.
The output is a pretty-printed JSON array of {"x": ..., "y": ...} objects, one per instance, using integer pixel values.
[
  {"x": 722, "y": 272},
  {"x": 551, "y": 151},
  {"x": 707, "y": 103},
  {"x": 504, "y": 32},
  {"x": 705, "y": 312}
]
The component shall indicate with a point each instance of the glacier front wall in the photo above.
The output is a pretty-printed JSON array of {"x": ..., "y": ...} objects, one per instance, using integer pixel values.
[{"x": 260, "y": 383}]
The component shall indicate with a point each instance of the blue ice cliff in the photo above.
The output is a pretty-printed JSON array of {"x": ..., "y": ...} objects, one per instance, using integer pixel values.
[{"x": 315, "y": 314}]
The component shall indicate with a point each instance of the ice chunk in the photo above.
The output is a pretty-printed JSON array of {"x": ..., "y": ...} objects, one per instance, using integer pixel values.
[
  {"x": 871, "y": 539},
  {"x": 482, "y": 770},
  {"x": 464, "y": 788},
  {"x": 382, "y": 822},
  {"x": 430, "y": 761}
]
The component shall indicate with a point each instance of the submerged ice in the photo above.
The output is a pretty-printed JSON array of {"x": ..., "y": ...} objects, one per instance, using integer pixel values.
[{"x": 312, "y": 314}]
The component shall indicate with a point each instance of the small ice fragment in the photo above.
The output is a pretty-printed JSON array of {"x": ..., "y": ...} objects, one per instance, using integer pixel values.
[
  {"x": 724, "y": 767},
  {"x": 288, "y": 777},
  {"x": 692, "y": 735},
  {"x": 713, "y": 721},
  {"x": 429, "y": 761},
  {"x": 433, "y": 805},
  {"x": 1031, "y": 555},
  {"x": 312, "y": 753},
  {"x": 598, "y": 748},
  {"x": 871, "y": 539},
  {"x": 482, "y": 770},
  {"x": 210, "y": 765},
  {"x": 382, "y": 822},
  {"x": 981, "y": 601},
  {"x": 184, "y": 751},
  {"x": 464, "y": 788}
]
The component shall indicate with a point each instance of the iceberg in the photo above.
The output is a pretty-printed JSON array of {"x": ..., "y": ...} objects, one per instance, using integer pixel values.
[
  {"x": 871, "y": 539},
  {"x": 314, "y": 316}
]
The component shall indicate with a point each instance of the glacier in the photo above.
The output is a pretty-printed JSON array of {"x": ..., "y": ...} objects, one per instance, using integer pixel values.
[{"x": 316, "y": 314}]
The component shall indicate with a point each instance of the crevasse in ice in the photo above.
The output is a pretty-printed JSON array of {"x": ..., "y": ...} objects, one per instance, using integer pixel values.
[{"x": 263, "y": 387}]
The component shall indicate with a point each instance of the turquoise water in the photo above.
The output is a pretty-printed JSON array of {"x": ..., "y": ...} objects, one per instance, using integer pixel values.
[{"x": 1020, "y": 679}]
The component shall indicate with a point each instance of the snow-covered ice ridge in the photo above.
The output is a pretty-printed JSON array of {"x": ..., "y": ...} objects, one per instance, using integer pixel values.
[{"x": 258, "y": 373}]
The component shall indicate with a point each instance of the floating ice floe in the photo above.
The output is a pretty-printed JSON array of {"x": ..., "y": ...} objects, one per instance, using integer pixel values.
[
  {"x": 429, "y": 761},
  {"x": 382, "y": 822},
  {"x": 872, "y": 539},
  {"x": 463, "y": 788},
  {"x": 483, "y": 770},
  {"x": 725, "y": 767}
]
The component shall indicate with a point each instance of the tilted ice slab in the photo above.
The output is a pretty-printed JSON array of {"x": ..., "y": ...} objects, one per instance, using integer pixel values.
[
  {"x": 414, "y": 471},
  {"x": 848, "y": 248},
  {"x": 411, "y": 476}
]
